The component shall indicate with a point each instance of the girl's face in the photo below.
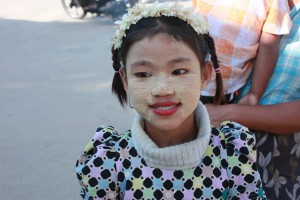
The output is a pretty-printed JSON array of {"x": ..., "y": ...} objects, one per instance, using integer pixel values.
[{"x": 164, "y": 80}]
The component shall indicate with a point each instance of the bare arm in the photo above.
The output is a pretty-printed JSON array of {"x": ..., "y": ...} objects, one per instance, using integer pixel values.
[
  {"x": 281, "y": 118},
  {"x": 265, "y": 62}
]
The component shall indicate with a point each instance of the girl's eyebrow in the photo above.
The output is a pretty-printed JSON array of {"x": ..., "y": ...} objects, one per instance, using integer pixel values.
[
  {"x": 150, "y": 64},
  {"x": 142, "y": 63},
  {"x": 178, "y": 60}
]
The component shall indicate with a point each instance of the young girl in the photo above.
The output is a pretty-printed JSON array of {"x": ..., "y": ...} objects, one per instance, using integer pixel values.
[{"x": 163, "y": 57}]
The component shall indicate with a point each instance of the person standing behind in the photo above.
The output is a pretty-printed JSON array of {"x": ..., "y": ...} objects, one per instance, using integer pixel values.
[
  {"x": 276, "y": 118},
  {"x": 279, "y": 154},
  {"x": 244, "y": 30},
  {"x": 284, "y": 84}
]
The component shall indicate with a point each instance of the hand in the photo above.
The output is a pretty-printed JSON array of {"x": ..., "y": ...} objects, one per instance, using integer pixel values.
[
  {"x": 249, "y": 99},
  {"x": 218, "y": 114}
]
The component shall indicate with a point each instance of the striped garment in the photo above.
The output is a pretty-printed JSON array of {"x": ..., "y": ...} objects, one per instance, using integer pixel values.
[{"x": 236, "y": 27}]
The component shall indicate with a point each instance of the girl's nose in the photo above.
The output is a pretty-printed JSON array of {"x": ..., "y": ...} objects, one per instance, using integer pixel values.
[{"x": 162, "y": 87}]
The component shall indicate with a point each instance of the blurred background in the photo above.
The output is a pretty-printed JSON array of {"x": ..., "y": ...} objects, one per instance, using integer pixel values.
[{"x": 55, "y": 90}]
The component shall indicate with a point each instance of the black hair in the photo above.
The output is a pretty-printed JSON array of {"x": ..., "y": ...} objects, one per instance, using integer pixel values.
[{"x": 201, "y": 44}]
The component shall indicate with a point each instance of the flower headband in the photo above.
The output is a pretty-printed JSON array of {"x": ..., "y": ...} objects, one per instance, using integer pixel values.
[{"x": 140, "y": 11}]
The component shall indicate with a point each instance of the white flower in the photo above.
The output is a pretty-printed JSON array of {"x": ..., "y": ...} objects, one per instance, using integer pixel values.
[
  {"x": 296, "y": 148},
  {"x": 140, "y": 11},
  {"x": 276, "y": 182},
  {"x": 294, "y": 194},
  {"x": 263, "y": 162}
]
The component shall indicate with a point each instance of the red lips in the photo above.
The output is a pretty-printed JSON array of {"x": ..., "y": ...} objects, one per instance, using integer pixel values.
[{"x": 165, "y": 108}]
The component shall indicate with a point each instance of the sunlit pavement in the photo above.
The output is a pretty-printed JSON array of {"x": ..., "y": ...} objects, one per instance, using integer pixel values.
[
  {"x": 55, "y": 76},
  {"x": 55, "y": 89}
]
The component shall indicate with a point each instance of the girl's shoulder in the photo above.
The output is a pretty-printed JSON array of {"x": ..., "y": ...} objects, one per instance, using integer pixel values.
[
  {"x": 106, "y": 138},
  {"x": 101, "y": 152},
  {"x": 236, "y": 139},
  {"x": 109, "y": 136},
  {"x": 230, "y": 130},
  {"x": 233, "y": 130},
  {"x": 232, "y": 146},
  {"x": 104, "y": 145}
]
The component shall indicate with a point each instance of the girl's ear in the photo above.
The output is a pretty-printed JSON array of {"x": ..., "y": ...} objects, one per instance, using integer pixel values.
[
  {"x": 206, "y": 74},
  {"x": 124, "y": 78}
]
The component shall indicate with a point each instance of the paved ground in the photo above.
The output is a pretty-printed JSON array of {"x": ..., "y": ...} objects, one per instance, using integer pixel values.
[{"x": 55, "y": 76}]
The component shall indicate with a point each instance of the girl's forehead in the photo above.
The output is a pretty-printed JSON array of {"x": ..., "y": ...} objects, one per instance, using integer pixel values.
[
  {"x": 161, "y": 42},
  {"x": 160, "y": 50},
  {"x": 160, "y": 39},
  {"x": 164, "y": 38}
]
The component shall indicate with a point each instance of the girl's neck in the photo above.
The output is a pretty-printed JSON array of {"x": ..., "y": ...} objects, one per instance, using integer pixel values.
[{"x": 182, "y": 134}]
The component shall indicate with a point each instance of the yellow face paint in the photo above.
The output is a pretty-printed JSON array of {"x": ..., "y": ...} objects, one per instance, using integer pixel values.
[{"x": 163, "y": 80}]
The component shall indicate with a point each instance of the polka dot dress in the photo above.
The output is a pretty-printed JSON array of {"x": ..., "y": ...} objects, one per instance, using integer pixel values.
[{"x": 110, "y": 167}]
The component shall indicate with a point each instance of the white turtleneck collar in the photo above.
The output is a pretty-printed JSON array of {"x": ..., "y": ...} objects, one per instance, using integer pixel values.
[{"x": 177, "y": 157}]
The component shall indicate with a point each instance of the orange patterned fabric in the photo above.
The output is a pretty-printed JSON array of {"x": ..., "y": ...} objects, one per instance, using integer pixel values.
[{"x": 236, "y": 26}]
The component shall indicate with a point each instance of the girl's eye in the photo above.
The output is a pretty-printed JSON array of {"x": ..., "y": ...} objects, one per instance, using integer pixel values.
[
  {"x": 142, "y": 74},
  {"x": 179, "y": 72}
]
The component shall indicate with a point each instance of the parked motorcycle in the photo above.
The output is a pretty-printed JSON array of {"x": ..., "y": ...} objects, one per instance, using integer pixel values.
[{"x": 77, "y": 9}]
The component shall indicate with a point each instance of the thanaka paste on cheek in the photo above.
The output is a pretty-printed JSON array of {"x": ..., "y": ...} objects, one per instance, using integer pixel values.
[
  {"x": 188, "y": 92},
  {"x": 140, "y": 97}
]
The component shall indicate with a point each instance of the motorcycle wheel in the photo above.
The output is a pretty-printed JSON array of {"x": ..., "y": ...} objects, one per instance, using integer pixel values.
[
  {"x": 73, "y": 9},
  {"x": 119, "y": 11}
]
